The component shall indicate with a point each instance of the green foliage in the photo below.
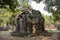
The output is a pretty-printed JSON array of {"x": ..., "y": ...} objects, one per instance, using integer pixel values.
[
  {"x": 24, "y": 3},
  {"x": 12, "y": 4},
  {"x": 48, "y": 19},
  {"x": 7, "y": 16},
  {"x": 8, "y": 12},
  {"x": 52, "y": 3},
  {"x": 56, "y": 15},
  {"x": 49, "y": 7}
]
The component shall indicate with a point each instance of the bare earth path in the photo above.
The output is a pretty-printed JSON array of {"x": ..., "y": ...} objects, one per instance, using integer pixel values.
[{"x": 5, "y": 35}]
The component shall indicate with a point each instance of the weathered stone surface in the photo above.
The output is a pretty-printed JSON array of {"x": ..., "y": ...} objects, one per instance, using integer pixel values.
[
  {"x": 26, "y": 21},
  {"x": 38, "y": 21},
  {"x": 58, "y": 27}
]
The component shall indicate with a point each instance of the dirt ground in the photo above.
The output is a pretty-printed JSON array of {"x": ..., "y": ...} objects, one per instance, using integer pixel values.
[{"x": 5, "y": 35}]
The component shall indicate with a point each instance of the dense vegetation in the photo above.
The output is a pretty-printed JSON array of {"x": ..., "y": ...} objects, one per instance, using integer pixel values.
[{"x": 10, "y": 8}]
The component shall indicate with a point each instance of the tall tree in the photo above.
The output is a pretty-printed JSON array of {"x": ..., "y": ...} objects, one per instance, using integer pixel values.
[
  {"x": 12, "y": 4},
  {"x": 53, "y": 6}
]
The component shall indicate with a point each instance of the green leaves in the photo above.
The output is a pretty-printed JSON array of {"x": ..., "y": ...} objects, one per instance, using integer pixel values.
[
  {"x": 52, "y": 3},
  {"x": 48, "y": 19},
  {"x": 11, "y": 3},
  {"x": 56, "y": 15},
  {"x": 7, "y": 16},
  {"x": 49, "y": 7}
]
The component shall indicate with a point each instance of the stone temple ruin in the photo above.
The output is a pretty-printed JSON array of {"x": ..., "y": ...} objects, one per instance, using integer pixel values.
[{"x": 28, "y": 19}]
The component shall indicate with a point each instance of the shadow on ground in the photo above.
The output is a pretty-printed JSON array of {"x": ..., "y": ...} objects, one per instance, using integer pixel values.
[{"x": 5, "y": 35}]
